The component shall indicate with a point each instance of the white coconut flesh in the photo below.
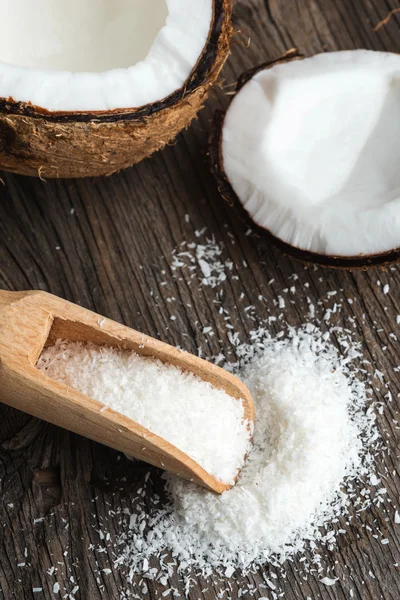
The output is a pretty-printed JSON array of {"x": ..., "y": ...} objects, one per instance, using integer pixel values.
[
  {"x": 97, "y": 55},
  {"x": 312, "y": 149}
]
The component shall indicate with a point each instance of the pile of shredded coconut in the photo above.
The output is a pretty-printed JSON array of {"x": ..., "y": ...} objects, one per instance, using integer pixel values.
[
  {"x": 313, "y": 441},
  {"x": 199, "y": 419}
]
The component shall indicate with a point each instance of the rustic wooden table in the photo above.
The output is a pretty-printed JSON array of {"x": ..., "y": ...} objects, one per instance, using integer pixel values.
[{"x": 107, "y": 244}]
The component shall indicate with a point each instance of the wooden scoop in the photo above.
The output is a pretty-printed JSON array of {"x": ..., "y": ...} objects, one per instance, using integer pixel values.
[{"x": 30, "y": 321}]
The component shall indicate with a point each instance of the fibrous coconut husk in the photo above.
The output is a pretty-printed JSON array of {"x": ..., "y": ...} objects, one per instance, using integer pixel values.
[{"x": 34, "y": 141}]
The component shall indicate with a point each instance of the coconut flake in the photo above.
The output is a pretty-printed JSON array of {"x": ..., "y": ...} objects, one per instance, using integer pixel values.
[{"x": 328, "y": 581}]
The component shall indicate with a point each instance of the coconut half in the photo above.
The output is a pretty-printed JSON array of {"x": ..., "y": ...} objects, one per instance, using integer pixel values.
[
  {"x": 311, "y": 150},
  {"x": 88, "y": 88}
]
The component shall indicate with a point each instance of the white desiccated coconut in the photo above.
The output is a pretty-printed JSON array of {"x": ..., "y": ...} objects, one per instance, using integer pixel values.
[
  {"x": 199, "y": 419},
  {"x": 206, "y": 257},
  {"x": 311, "y": 444},
  {"x": 328, "y": 581}
]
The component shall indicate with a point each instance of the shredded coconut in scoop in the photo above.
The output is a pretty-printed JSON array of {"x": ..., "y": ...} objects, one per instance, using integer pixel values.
[{"x": 199, "y": 419}]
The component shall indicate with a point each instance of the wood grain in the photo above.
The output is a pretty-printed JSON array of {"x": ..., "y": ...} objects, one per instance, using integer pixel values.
[{"x": 107, "y": 244}]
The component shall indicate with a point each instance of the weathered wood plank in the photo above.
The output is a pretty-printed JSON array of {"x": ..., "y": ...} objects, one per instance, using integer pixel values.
[{"x": 107, "y": 244}]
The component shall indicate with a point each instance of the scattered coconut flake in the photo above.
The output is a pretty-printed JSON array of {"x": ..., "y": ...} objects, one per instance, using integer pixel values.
[
  {"x": 206, "y": 257},
  {"x": 328, "y": 581}
]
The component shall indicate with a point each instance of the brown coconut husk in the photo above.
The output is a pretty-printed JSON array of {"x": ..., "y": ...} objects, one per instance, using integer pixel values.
[
  {"x": 34, "y": 141},
  {"x": 359, "y": 262}
]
